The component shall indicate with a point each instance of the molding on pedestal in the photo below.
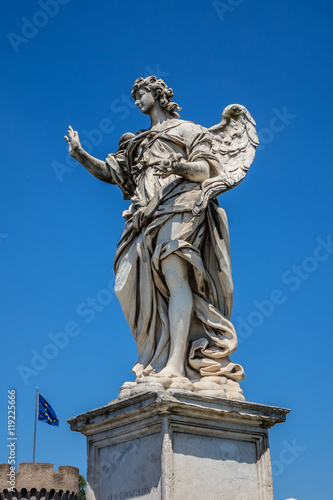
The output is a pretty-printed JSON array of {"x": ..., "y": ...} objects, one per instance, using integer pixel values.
[{"x": 157, "y": 403}]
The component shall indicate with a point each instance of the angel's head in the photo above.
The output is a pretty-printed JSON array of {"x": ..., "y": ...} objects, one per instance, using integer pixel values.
[{"x": 147, "y": 91}]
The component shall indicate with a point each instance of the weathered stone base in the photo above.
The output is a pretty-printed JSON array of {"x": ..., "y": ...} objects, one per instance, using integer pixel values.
[
  {"x": 176, "y": 445},
  {"x": 218, "y": 387}
]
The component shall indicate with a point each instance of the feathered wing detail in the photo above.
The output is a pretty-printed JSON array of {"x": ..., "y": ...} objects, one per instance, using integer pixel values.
[{"x": 234, "y": 145}]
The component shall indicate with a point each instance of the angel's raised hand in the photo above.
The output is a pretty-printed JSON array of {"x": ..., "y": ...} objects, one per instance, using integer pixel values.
[{"x": 73, "y": 141}]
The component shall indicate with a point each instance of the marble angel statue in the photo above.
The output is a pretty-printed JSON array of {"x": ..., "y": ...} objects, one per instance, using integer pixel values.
[{"x": 172, "y": 265}]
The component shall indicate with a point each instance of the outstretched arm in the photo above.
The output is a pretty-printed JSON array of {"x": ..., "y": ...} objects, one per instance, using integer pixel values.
[{"x": 96, "y": 167}]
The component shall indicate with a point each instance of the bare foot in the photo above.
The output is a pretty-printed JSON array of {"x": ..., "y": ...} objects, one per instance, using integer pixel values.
[{"x": 170, "y": 371}]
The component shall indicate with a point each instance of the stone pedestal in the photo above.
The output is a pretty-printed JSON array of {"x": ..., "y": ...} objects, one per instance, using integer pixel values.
[{"x": 178, "y": 446}]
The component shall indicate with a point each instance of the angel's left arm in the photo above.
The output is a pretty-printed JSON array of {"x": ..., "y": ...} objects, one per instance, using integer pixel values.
[
  {"x": 195, "y": 171},
  {"x": 199, "y": 165}
]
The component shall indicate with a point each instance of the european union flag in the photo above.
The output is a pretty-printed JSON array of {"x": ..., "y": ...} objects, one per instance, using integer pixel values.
[{"x": 46, "y": 413}]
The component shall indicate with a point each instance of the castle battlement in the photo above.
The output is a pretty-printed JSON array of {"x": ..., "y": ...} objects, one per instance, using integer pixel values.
[{"x": 39, "y": 481}]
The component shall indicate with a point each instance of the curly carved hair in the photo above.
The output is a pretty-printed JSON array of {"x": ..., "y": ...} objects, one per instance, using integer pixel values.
[{"x": 161, "y": 90}]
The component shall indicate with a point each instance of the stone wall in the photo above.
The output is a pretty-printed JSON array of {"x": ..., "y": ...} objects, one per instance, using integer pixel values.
[{"x": 39, "y": 481}]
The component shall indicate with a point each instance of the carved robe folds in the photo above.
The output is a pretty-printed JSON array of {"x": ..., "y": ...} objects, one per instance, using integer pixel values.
[{"x": 203, "y": 241}]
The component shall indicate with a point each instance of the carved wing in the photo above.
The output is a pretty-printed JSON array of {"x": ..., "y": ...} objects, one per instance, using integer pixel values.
[{"x": 234, "y": 145}]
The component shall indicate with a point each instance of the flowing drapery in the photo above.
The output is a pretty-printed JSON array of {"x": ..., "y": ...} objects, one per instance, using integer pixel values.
[{"x": 202, "y": 241}]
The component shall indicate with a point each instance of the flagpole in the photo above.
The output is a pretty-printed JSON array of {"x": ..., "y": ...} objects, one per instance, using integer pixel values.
[{"x": 33, "y": 459}]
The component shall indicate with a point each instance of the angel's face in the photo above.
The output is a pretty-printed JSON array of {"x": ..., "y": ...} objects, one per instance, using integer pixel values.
[{"x": 144, "y": 99}]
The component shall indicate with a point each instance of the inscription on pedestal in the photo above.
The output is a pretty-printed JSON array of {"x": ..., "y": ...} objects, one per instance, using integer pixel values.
[{"x": 137, "y": 492}]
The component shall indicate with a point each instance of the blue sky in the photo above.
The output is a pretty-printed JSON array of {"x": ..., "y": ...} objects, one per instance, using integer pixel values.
[{"x": 60, "y": 226}]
